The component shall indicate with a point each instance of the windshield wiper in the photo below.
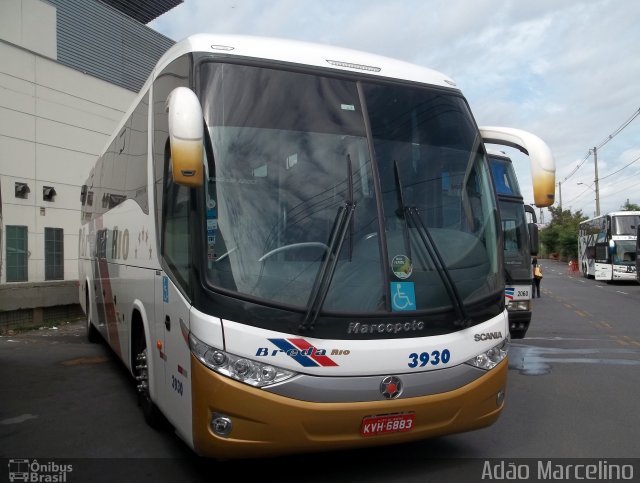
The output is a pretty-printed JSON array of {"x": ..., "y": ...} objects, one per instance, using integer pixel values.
[
  {"x": 401, "y": 211},
  {"x": 328, "y": 268},
  {"x": 337, "y": 235},
  {"x": 412, "y": 214}
]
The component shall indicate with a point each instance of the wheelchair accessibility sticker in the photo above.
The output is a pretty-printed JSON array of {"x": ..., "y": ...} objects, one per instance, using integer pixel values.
[
  {"x": 165, "y": 289},
  {"x": 403, "y": 296}
]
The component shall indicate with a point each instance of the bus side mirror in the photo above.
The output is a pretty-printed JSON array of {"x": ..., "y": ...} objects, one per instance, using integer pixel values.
[
  {"x": 534, "y": 242},
  {"x": 185, "y": 137},
  {"x": 543, "y": 166},
  {"x": 612, "y": 248}
]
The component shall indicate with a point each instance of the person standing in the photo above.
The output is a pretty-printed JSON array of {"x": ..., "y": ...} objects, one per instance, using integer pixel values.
[{"x": 537, "y": 277}]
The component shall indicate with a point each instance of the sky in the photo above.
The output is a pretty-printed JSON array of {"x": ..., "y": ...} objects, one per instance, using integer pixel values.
[{"x": 567, "y": 71}]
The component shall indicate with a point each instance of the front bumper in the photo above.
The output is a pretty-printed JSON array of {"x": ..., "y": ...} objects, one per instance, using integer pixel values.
[
  {"x": 267, "y": 424},
  {"x": 519, "y": 321}
]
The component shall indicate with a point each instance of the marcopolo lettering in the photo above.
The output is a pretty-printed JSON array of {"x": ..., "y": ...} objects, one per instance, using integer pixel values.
[
  {"x": 487, "y": 336},
  {"x": 385, "y": 327}
]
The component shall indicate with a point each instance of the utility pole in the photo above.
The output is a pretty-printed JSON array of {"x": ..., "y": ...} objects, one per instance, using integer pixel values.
[
  {"x": 595, "y": 163},
  {"x": 560, "y": 194}
]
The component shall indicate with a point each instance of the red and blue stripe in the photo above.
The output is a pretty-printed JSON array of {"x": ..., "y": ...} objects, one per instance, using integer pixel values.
[{"x": 303, "y": 352}]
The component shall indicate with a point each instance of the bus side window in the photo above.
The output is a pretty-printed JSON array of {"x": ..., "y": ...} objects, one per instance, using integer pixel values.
[
  {"x": 176, "y": 74},
  {"x": 175, "y": 230},
  {"x": 171, "y": 200}
]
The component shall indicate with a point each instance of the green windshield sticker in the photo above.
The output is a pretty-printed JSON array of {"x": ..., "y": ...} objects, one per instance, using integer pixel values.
[{"x": 401, "y": 266}]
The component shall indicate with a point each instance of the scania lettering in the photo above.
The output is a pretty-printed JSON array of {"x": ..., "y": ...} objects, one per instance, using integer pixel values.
[
  {"x": 520, "y": 242},
  {"x": 489, "y": 336},
  {"x": 276, "y": 230}
]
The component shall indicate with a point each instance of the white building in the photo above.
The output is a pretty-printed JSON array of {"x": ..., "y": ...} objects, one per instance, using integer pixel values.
[{"x": 69, "y": 69}]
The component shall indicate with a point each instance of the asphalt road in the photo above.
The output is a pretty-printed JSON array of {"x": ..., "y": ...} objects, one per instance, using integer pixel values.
[{"x": 573, "y": 392}]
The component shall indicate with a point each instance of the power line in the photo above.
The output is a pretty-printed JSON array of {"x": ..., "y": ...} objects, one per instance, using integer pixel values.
[
  {"x": 621, "y": 188},
  {"x": 617, "y": 131},
  {"x": 578, "y": 166},
  {"x": 602, "y": 143},
  {"x": 617, "y": 171},
  {"x": 580, "y": 195}
]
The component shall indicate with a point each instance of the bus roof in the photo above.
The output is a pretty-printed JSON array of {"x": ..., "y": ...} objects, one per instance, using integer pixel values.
[
  {"x": 612, "y": 213},
  {"x": 304, "y": 53},
  {"x": 291, "y": 51},
  {"x": 497, "y": 153}
]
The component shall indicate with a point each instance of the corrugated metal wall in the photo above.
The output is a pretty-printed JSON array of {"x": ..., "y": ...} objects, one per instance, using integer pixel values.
[{"x": 101, "y": 41}]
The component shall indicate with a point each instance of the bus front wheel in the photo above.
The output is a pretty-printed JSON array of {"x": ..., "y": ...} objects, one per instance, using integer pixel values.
[
  {"x": 151, "y": 412},
  {"x": 93, "y": 336}
]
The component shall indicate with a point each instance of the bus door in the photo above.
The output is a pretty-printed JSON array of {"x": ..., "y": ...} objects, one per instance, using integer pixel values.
[
  {"x": 603, "y": 261},
  {"x": 173, "y": 306},
  {"x": 172, "y": 347}
]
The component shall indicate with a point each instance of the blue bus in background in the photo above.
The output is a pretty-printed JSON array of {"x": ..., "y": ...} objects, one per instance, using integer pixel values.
[{"x": 520, "y": 242}]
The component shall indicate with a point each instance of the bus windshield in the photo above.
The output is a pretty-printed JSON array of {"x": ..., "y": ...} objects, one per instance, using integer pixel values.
[
  {"x": 625, "y": 224},
  {"x": 624, "y": 252},
  {"x": 504, "y": 177},
  {"x": 380, "y": 192}
]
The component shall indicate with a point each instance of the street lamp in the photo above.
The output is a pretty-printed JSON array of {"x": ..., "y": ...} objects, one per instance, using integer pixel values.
[{"x": 597, "y": 197}]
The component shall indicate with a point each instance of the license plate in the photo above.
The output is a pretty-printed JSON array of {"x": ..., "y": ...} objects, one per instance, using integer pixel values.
[{"x": 390, "y": 423}]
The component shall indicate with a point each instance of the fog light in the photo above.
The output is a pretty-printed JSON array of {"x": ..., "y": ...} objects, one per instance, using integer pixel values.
[
  {"x": 221, "y": 425},
  {"x": 500, "y": 397}
]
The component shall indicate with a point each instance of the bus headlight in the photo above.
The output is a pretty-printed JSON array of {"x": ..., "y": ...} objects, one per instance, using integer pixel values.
[
  {"x": 491, "y": 358},
  {"x": 515, "y": 305},
  {"x": 239, "y": 368}
]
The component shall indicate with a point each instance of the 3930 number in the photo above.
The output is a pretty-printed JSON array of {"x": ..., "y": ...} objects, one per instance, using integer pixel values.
[
  {"x": 176, "y": 385},
  {"x": 434, "y": 358}
]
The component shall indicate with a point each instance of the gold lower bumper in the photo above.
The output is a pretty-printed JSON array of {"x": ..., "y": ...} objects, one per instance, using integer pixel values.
[{"x": 266, "y": 424}]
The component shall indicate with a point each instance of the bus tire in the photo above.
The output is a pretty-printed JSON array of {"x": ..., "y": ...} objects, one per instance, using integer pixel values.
[
  {"x": 152, "y": 414},
  {"x": 93, "y": 336}
]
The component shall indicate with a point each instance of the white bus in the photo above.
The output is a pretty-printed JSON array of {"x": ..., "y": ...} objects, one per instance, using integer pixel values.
[
  {"x": 607, "y": 246},
  {"x": 296, "y": 247}
]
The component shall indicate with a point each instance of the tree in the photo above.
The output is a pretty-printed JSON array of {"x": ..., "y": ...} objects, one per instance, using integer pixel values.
[
  {"x": 561, "y": 235},
  {"x": 630, "y": 206}
]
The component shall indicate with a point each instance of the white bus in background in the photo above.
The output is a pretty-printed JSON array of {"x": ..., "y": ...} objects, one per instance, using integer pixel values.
[
  {"x": 520, "y": 242},
  {"x": 296, "y": 247},
  {"x": 607, "y": 246},
  {"x": 638, "y": 252}
]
